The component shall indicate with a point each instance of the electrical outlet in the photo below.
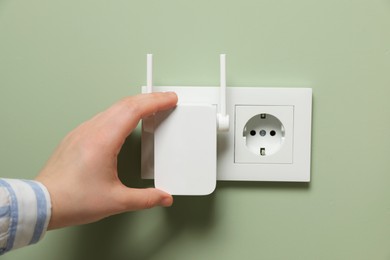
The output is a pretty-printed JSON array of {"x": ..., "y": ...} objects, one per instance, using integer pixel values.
[
  {"x": 269, "y": 137},
  {"x": 264, "y": 134}
]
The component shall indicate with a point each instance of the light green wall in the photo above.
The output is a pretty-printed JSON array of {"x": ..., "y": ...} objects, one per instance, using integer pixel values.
[{"x": 63, "y": 61}]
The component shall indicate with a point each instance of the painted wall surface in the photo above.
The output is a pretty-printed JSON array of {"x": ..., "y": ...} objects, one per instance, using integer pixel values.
[{"x": 63, "y": 61}]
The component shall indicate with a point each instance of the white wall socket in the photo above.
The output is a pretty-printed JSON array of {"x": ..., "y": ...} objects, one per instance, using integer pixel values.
[{"x": 269, "y": 137}]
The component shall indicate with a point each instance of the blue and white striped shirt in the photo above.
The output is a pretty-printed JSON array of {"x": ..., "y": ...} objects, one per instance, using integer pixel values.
[{"x": 25, "y": 211}]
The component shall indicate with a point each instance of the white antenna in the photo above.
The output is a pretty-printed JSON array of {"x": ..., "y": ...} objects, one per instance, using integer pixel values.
[
  {"x": 148, "y": 123},
  {"x": 222, "y": 117},
  {"x": 149, "y": 73}
]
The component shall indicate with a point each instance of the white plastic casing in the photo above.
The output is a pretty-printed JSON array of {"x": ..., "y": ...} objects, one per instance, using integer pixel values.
[
  {"x": 185, "y": 154},
  {"x": 292, "y": 106}
]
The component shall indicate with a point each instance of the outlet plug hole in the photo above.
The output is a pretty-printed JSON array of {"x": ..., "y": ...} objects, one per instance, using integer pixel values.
[{"x": 263, "y": 134}]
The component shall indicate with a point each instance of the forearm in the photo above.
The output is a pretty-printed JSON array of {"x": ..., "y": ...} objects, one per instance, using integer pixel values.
[{"x": 25, "y": 211}]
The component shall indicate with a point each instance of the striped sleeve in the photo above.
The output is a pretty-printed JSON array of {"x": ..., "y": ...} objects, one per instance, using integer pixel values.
[{"x": 25, "y": 211}]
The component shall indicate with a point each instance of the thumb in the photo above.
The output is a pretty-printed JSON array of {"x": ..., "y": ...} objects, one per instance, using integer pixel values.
[{"x": 137, "y": 199}]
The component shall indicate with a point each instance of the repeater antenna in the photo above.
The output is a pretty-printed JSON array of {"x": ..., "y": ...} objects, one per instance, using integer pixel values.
[
  {"x": 149, "y": 73},
  {"x": 222, "y": 117}
]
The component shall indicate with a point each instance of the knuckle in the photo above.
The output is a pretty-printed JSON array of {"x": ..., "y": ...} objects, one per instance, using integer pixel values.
[
  {"x": 149, "y": 201},
  {"x": 132, "y": 107}
]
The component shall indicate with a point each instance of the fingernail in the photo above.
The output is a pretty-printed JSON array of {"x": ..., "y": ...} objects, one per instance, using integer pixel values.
[{"x": 166, "y": 202}]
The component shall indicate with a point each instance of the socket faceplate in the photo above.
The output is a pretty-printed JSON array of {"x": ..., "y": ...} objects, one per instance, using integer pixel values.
[
  {"x": 244, "y": 113},
  {"x": 296, "y": 104}
]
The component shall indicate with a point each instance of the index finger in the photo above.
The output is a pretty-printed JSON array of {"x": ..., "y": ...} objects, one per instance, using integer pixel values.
[
  {"x": 143, "y": 105},
  {"x": 123, "y": 116}
]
